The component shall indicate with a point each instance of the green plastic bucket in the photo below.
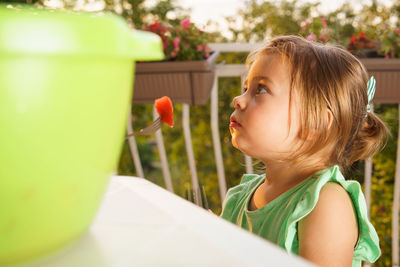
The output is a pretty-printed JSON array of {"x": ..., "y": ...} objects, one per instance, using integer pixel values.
[{"x": 66, "y": 82}]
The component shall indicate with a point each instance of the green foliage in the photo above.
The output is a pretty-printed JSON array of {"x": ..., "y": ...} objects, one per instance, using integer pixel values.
[
  {"x": 383, "y": 185},
  {"x": 391, "y": 43},
  {"x": 261, "y": 19},
  {"x": 184, "y": 41},
  {"x": 133, "y": 11},
  {"x": 21, "y": 1},
  {"x": 316, "y": 29},
  {"x": 137, "y": 13}
]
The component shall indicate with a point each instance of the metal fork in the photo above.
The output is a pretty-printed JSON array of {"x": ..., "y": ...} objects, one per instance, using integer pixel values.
[{"x": 148, "y": 130}]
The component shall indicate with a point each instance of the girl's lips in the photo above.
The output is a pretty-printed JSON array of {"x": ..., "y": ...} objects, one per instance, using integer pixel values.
[{"x": 234, "y": 123}]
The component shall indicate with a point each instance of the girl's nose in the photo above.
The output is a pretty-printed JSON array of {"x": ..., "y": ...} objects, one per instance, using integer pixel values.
[{"x": 239, "y": 102}]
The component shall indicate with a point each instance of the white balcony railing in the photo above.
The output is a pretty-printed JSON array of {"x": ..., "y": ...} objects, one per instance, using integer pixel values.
[{"x": 238, "y": 70}]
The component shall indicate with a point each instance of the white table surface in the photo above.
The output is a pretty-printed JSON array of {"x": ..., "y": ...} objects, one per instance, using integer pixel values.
[{"x": 142, "y": 224}]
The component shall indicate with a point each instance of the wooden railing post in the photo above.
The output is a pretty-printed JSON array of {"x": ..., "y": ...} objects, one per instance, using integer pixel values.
[
  {"x": 189, "y": 151},
  {"x": 216, "y": 139},
  {"x": 163, "y": 156},
  {"x": 133, "y": 147}
]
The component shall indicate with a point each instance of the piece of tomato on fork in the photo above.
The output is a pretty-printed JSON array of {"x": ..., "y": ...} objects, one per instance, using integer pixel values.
[{"x": 165, "y": 110}]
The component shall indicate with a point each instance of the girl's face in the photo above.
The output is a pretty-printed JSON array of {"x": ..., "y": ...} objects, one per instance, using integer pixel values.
[{"x": 260, "y": 123}]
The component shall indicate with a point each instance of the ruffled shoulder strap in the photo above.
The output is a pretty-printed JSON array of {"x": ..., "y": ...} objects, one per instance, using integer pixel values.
[
  {"x": 248, "y": 180},
  {"x": 248, "y": 177},
  {"x": 367, "y": 247},
  {"x": 237, "y": 192}
]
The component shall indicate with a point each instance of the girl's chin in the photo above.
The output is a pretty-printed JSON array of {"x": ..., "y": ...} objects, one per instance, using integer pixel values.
[
  {"x": 234, "y": 144},
  {"x": 241, "y": 144},
  {"x": 238, "y": 147}
]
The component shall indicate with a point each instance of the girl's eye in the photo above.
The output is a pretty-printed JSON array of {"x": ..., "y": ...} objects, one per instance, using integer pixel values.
[{"x": 261, "y": 89}]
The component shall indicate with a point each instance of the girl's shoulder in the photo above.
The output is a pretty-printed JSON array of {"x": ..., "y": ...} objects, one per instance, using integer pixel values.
[
  {"x": 331, "y": 226},
  {"x": 331, "y": 182}
]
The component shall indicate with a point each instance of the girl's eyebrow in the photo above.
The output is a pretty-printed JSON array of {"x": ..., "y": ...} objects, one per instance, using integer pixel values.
[{"x": 259, "y": 77}]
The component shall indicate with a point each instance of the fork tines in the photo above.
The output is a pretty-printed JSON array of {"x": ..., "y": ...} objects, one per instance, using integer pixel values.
[{"x": 149, "y": 129}]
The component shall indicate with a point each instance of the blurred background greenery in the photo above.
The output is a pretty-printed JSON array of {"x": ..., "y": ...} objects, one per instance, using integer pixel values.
[{"x": 260, "y": 19}]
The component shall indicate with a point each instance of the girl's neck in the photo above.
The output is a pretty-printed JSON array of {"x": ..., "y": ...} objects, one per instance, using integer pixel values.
[
  {"x": 285, "y": 175},
  {"x": 279, "y": 179}
]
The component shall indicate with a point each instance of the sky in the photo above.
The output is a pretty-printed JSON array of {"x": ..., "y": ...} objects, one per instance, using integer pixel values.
[{"x": 216, "y": 10}]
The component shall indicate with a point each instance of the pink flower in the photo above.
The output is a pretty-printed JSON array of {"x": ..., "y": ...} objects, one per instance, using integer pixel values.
[
  {"x": 311, "y": 37},
  {"x": 199, "y": 48},
  {"x": 173, "y": 54},
  {"x": 324, "y": 22},
  {"x": 393, "y": 54},
  {"x": 386, "y": 56},
  {"x": 308, "y": 21},
  {"x": 397, "y": 31},
  {"x": 303, "y": 26},
  {"x": 323, "y": 38},
  {"x": 176, "y": 42},
  {"x": 186, "y": 23}
]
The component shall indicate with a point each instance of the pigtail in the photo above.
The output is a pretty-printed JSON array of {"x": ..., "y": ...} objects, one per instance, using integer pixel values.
[{"x": 372, "y": 136}]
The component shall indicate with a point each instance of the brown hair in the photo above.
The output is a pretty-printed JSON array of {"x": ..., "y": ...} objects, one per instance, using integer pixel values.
[{"x": 328, "y": 79}]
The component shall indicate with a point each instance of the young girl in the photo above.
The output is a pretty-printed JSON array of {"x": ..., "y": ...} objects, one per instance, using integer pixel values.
[{"x": 304, "y": 112}]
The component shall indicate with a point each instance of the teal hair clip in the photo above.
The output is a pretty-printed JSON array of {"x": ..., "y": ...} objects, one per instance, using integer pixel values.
[{"x": 370, "y": 91}]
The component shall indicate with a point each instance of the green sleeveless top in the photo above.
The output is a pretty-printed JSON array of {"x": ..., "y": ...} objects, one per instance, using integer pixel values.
[{"x": 277, "y": 221}]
